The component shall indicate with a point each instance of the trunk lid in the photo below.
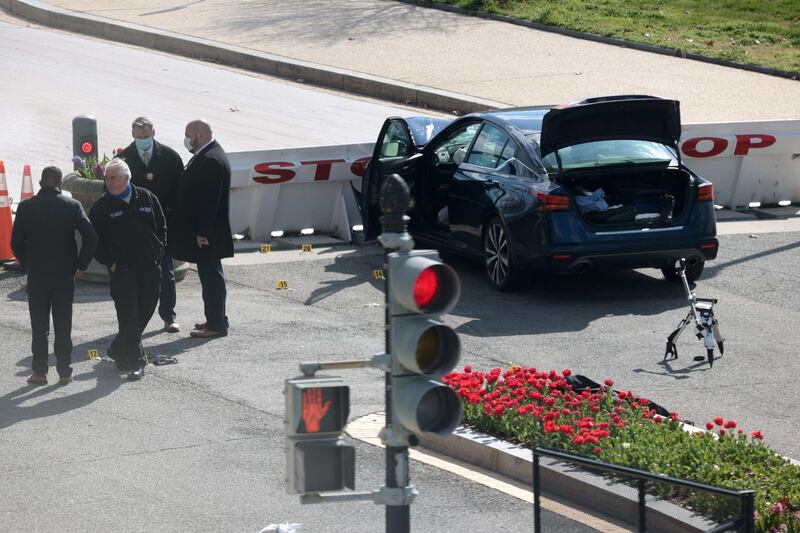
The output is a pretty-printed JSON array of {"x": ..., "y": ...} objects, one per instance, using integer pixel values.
[{"x": 645, "y": 118}]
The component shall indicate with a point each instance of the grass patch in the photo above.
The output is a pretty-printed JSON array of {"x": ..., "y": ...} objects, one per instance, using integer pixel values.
[
  {"x": 757, "y": 32},
  {"x": 536, "y": 408}
]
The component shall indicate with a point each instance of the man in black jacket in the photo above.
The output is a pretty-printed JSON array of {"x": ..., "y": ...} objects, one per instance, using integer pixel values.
[
  {"x": 202, "y": 227},
  {"x": 43, "y": 240},
  {"x": 157, "y": 168},
  {"x": 132, "y": 233}
]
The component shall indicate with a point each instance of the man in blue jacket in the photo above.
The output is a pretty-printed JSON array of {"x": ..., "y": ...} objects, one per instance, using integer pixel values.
[
  {"x": 43, "y": 240},
  {"x": 132, "y": 234}
]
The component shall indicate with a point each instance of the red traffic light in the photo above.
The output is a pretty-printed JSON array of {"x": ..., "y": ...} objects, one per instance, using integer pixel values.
[
  {"x": 87, "y": 147},
  {"x": 425, "y": 288}
]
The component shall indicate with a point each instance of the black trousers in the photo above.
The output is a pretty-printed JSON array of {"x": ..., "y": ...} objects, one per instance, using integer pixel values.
[
  {"x": 135, "y": 294},
  {"x": 41, "y": 301},
  {"x": 212, "y": 279},
  {"x": 167, "y": 298}
]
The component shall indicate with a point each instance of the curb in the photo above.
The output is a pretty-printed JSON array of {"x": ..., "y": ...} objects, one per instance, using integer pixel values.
[
  {"x": 674, "y": 52},
  {"x": 571, "y": 484},
  {"x": 251, "y": 60}
]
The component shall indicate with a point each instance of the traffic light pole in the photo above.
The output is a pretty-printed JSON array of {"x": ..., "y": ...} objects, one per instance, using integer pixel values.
[
  {"x": 395, "y": 200},
  {"x": 419, "y": 350}
]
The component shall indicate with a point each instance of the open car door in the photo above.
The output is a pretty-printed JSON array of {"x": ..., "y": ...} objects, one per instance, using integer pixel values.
[{"x": 394, "y": 153}]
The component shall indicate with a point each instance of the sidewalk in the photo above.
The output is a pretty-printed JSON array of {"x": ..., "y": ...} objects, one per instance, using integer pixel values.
[{"x": 491, "y": 61}]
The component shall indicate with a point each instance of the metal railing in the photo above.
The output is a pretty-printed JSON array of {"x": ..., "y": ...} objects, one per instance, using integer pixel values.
[{"x": 742, "y": 522}]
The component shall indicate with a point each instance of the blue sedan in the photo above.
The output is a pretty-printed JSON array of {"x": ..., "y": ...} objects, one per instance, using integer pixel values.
[{"x": 595, "y": 183}]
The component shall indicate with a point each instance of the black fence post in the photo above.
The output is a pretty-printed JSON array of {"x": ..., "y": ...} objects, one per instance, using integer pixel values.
[
  {"x": 748, "y": 510},
  {"x": 537, "y": 512},
  {"x": 642, "y": 509}
]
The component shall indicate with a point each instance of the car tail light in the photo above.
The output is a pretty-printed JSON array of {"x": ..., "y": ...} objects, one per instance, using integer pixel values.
[
  {"x": 705, "y": 193},
  {"x": 552, "y": 202}
]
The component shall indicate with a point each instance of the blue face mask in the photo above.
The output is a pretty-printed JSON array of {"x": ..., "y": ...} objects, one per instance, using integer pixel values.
[{"x": 144, "y": 144}]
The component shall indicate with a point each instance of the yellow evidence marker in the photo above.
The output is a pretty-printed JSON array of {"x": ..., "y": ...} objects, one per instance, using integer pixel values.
[
  {"x": 92, "y": 355},
  {"x": 282, "y": 284},
  {"x": 305, "y": 248},
  {"x": 266, "y": 248},
  {"x": 378, "y": 274}
]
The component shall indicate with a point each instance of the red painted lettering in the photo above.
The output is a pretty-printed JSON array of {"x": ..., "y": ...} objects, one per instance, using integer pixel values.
[
  {"x": 272, "y": 175},
  {"x": 745, "y": 142},
  {"x": 690, "y": 146},
  {"x": 323, "y": 171},
  {"x": 359, "y": 166}
]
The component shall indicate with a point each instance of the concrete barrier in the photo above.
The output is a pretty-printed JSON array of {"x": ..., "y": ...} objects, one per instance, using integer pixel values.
[
  {"x": 751, "y": 164},
  {"x": 296, "y": 189}
]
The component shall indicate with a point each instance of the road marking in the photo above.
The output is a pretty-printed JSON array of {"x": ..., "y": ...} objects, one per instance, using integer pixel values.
[{"x": 367, "y": 428}]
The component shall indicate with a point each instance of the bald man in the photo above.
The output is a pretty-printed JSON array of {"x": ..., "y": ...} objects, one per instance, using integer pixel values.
[{"x": 201, "y": 223}]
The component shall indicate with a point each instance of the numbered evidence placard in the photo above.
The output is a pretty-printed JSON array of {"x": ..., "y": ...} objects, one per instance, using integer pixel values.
[
  {"x": 378, "y": 274},
  {"x": 282, "y": 284},
  {"x": 305, "y": 248},
  {"x": 92, "y": 355},
  {"x": 266, "y": 248}
]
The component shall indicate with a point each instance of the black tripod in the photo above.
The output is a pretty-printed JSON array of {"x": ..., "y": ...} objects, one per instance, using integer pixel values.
[{"x": 701, "y": 312}]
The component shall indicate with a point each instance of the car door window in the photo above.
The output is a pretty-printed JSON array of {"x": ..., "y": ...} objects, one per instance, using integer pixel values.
[
  {"x": 396, "y": 142},
  {"x": 492, "y": 149},
  {"x": 459, "y": 139}
]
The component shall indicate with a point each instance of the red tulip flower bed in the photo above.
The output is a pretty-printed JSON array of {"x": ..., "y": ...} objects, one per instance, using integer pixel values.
[{"x": 535, "y": 408}]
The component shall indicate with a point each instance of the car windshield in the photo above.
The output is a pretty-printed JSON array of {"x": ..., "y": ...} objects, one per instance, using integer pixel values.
[{"x": 609, "y": 153}]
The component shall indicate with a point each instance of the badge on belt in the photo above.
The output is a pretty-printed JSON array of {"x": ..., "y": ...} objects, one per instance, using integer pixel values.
[{"x": 150, "y": 176}]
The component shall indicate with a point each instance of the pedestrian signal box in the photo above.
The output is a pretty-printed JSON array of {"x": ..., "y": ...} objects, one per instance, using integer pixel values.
[
  {"x": 318, "y": 457},
  {"x": 84, "y": 137}
]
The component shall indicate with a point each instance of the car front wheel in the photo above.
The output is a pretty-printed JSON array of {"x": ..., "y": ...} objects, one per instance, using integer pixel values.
[
  {"x": 498, "y": 261},
  {"x": 693, "y": 272}
]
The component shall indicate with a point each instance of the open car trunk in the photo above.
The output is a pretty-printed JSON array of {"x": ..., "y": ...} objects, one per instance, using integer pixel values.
[{"x": 630, "y": 199}]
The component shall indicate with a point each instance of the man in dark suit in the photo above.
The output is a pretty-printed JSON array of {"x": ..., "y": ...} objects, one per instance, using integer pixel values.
[
  {"x": 202, "y": 227},
  {"x": 43, "y": 240},
  {"x": 157, "y": 168}
]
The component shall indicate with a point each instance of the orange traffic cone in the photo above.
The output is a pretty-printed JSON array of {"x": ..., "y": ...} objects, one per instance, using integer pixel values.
[
  {"x": 27, "y": 184},
  {"x": 6, "y": 254}
]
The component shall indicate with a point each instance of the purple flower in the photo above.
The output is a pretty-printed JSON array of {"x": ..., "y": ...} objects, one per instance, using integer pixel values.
[
  {"x": 99, "y": 170},
  {"x": 76, "y": 159}
]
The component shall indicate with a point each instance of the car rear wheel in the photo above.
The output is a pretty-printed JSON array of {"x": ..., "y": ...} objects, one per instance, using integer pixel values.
[
  {"x": 498, "y": 262},
  {"x": 693, "y": 272}
]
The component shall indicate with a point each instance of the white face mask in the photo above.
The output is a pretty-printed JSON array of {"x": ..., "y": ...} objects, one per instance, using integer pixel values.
[{"x": 187, "y": 142}]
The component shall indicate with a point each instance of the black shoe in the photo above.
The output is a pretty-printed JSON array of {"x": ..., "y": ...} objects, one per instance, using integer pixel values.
[{"x": 136, "y": 375}]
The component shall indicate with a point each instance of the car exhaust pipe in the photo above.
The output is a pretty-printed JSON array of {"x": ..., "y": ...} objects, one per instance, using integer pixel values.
[
  {"x": 583, "y": 267},
  {"x": 692, "y": 261}
]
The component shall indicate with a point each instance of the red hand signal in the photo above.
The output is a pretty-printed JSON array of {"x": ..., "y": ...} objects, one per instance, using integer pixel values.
[{"x": 313, "y": 409}]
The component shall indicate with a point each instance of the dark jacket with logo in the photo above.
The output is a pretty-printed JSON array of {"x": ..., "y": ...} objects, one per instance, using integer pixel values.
[
  {"x": 161, "y": 174},
  {"x": 43, "y": 238},
  {"x": 202, "y": 207},
  {"x": 131, "y": 234}
]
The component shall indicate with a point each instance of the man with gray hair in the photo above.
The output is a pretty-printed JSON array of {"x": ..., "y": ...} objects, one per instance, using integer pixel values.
[
  {"x": 43, "y": 239},
  {"x": 132, "y": 234}
]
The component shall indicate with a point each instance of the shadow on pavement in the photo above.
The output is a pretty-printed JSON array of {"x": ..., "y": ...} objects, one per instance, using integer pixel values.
[{"x": 106, "y": 379}]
